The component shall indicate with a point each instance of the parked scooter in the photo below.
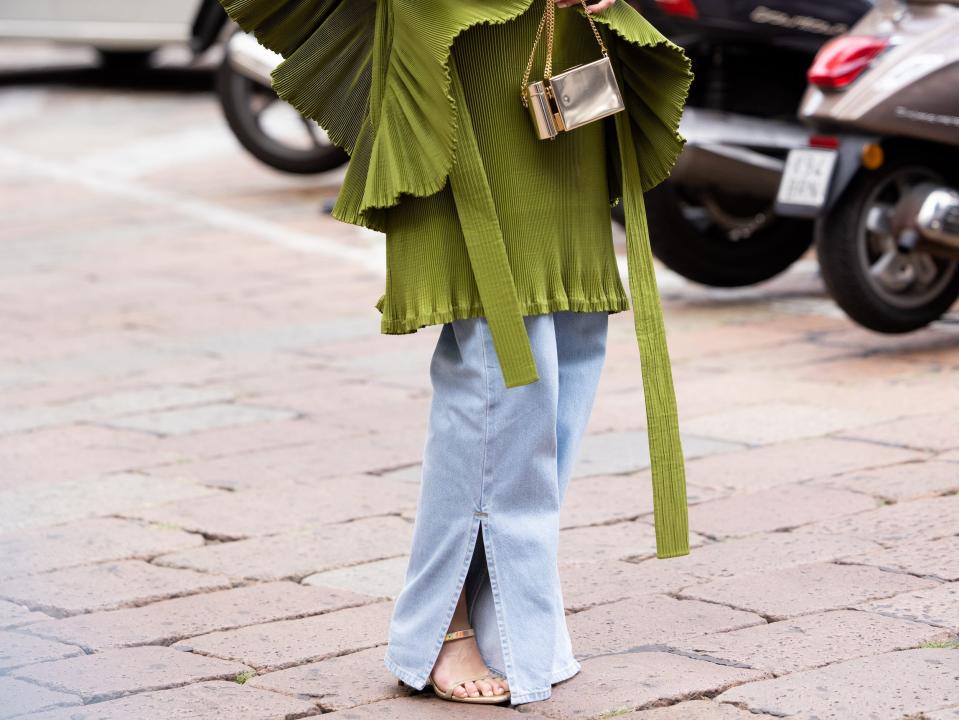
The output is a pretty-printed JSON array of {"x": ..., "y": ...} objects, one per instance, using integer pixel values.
[
  {"x": 882, "y": 179},
  {"x": 268, "y": 129},
  {"x": 713, "y": 221}
]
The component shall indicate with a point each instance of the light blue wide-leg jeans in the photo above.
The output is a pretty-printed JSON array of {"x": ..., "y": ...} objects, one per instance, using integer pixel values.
[{"x": 496, "y": 466}]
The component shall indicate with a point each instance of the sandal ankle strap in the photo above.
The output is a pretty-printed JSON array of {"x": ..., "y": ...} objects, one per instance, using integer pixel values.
[{"x": 469, "y": 632}]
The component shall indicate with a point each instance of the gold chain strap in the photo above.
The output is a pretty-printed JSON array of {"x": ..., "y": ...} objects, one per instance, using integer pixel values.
[{"x": 549, "y": 21}]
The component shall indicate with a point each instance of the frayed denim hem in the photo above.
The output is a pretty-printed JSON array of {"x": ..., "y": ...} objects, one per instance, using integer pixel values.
[
  {"x": 543, "y": 693},
  {"x": 412, "y": 679}
]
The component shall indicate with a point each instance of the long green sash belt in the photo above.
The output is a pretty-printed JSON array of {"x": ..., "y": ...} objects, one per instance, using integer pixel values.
[
  {"x": 494, "y": 281},
  {"x": 487, "y": 250},
  {"x": 662, "y": 420}
]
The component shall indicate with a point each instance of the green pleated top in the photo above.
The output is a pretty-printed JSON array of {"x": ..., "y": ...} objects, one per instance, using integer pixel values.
[
  {"x": 482, "y": 218},
  {"x": 551, "y": 197}
]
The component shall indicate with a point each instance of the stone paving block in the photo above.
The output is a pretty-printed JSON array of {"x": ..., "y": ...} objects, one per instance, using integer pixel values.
[
  {"x": 325, "y": 457},
  {"x": 163, "y": 622},
  {"x": 897, "y": 483},
  {"x": 105, "y": 586},
  {"x": 775, "y": 422},
  {"x": 776, "y": 508},
  {"x": 930, "y": 558},
  {"x": 85, "y": 542},
  {"x": 302, "y": 552},
  {"x": 648, "y": 620},
  {"x": 933, "y": 606},
  {"x": 945, "y": 714},
  {"x": 281, "y": 644},
  {"x": 188, "y": 453},
  {"x": 696, "y": 710},
  {"x": 77, "y": 451},
  {"x": 200, "y": 418},
  {"x": 586, "y": 584},
  {"x": 282, "y": 507},
  {"x": 612, "y": 685},
  {"x": 110, "y": 674},
  {"x": 792, "y": 461},
  {"x": 408, "y": 474},
  {"x": 102, "y": 406},
  {"x": 925, "y": 679},
  {"x": 628, "y": 451},
  {"x": 36, "y": 506},
  {"x": 761, "y": 553},
  {"x": 924, "y": 519},
  {"x": 200, "y": 701},
  {"x": 340, "y": 682},
  {"x": 18, "y": 649},
  {"x": 425, "y": 707},
  {"x": 13, "y": 615},
  {"x": 810, "y": 641},
  {"x": 20, "y": 698},
  {"x": 615, "y": 541},
  {"x": 604, "y": 499},
  {"x": 934, "y": 431},
  {"x": 804, "y": 589},
  {"x": 381, "y": 578}
]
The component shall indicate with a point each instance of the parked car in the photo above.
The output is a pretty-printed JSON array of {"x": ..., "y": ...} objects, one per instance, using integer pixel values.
[{"x": 126, "y": 35}]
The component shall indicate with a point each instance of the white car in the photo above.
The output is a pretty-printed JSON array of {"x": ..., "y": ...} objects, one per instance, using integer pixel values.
[
  {"x": 127, "y": 32},
  {"x": 119, "y": 25}
]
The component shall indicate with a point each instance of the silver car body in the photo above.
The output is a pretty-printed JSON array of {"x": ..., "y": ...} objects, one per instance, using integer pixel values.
[{"x": 107, "y": 24}]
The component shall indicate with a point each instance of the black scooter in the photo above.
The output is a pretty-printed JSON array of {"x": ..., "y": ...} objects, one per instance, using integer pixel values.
[
  {"x": 243, "y": 88},
  {"x": 714, "y": 222}
]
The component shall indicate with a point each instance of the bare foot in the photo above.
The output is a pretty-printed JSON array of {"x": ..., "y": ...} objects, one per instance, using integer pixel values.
[{"x": 461, "y": 658}]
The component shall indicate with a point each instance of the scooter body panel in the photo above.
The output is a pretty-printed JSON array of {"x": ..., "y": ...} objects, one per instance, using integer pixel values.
[{"x": 911, "y": 90}]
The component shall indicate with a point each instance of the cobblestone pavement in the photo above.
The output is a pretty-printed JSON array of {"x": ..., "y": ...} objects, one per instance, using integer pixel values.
[{"x": 209, "y": 462}]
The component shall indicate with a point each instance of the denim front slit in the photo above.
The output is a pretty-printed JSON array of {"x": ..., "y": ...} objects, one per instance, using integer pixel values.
[{"x": 496, "y": 465}]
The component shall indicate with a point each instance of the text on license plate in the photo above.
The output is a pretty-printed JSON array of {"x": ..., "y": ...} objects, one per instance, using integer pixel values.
[{"x": 807, "y": 177}]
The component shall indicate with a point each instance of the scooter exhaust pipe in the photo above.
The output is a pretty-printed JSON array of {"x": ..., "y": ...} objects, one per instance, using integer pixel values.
[
  {"x": 931, "y": 213},
  {"x": 250, "y": 59}
]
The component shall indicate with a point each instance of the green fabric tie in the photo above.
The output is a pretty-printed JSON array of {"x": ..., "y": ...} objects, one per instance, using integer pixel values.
[{"x": 487, "y": 251}]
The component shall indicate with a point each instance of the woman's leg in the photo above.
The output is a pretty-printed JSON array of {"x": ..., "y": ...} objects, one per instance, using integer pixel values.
[
  {"x": 489, "y": 466},
  {"x": 580, "y": 351}
]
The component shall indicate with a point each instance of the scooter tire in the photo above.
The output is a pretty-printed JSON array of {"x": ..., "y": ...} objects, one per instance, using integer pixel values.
[
  {"x": 231, "y": 90},
  {"x": 845, "y": 275},
  {"x": 709, "y": 257}
]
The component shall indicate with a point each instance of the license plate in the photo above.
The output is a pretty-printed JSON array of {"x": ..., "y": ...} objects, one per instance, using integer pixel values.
[{"x": 806, "y": 179}]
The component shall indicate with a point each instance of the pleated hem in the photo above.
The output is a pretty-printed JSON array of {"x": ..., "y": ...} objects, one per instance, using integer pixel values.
[{"x": 530, "y": 307}]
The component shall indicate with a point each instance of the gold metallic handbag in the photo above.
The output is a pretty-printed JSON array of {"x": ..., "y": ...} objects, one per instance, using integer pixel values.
[{"x": 572, "y": 98}]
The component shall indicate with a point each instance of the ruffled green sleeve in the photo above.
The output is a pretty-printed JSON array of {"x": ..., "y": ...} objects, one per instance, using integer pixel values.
[{"x": 378, "y": 75}]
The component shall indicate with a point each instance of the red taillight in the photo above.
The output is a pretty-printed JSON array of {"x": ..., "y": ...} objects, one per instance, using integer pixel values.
[
  {"x": 682, "y": 8},
  {"x": 824, "y": 142},
  {"x": 842, "y": 60}
]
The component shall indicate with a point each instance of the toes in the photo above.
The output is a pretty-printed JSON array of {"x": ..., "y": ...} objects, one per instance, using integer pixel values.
[
  {"x": 460, "y": 691},
  {"x": 471, "y": 689},
  {"x": 485, "y": 687}
]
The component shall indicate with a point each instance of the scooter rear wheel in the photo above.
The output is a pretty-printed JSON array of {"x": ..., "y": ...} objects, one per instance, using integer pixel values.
[
  {"x": 879, "y": 286},
  {"x": 719, "y": 241}
]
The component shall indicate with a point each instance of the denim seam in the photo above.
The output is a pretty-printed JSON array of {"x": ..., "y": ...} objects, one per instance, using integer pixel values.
[
  {"x": 461, "y": 580},
  {"x": 487, "y": 536},
  {"x": 486, "y": 429}
]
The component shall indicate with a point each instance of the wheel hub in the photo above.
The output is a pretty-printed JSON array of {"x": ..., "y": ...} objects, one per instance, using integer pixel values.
[{"x": 902, "y": 277}]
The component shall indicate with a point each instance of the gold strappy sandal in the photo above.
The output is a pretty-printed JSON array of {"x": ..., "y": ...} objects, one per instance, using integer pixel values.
[{"x": 448, "y": 694}]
